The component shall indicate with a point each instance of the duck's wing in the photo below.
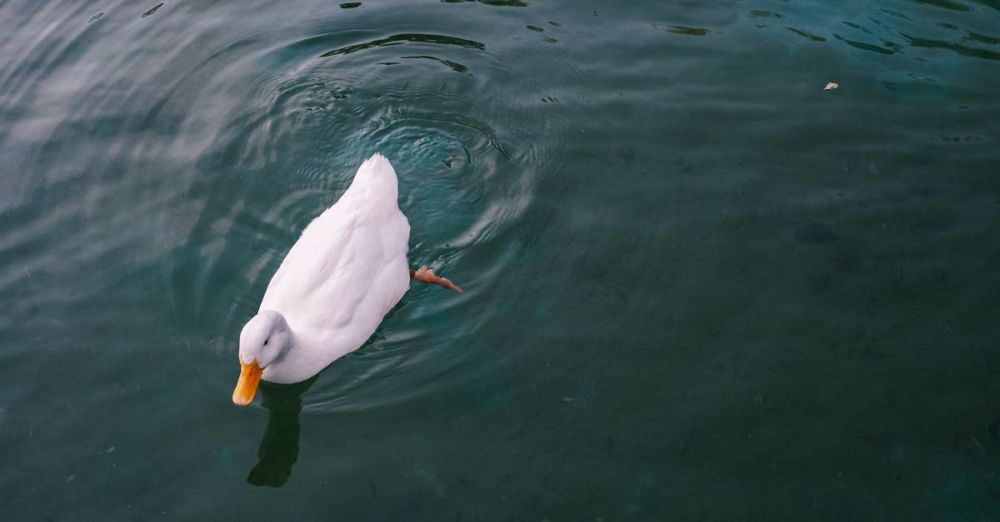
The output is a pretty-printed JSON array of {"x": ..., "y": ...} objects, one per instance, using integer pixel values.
[{"x": 349, "y": 267}]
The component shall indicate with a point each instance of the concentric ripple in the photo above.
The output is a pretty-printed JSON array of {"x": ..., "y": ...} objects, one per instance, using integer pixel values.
[{"x": 288, "y": 123}]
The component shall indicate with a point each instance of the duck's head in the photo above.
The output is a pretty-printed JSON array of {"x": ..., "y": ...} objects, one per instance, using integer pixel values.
[{"x": 263, "y": 340}]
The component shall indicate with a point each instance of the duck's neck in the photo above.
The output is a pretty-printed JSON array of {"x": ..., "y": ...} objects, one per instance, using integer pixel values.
[{"x": 297, "y": 362}]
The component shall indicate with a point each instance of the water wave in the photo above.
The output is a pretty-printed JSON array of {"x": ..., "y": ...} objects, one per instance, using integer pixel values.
[{"x": 296, "y": 134}]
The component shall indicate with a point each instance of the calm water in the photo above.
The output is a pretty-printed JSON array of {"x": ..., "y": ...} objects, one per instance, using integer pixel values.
[{"x": 699, "y": 287}]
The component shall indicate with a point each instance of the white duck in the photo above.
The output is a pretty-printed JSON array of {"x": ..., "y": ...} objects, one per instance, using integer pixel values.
[{"x": 346, "y": 271}]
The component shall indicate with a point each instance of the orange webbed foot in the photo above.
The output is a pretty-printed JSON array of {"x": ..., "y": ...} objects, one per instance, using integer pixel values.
[{"x": 425, "y": 275}]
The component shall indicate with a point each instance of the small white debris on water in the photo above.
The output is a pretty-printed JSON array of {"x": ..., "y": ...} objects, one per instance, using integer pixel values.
[{"x": 831, "y": 86}]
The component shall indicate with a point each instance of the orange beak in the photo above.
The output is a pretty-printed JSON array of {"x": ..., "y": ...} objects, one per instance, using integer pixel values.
[{"x": 246, "y": 387}]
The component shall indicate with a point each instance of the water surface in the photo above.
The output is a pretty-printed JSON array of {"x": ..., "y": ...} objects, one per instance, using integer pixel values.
[{"x": 698, "y": 286}]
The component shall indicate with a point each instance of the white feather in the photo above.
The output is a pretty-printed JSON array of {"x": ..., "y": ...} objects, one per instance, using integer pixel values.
[{"x": 346, "y": 271}]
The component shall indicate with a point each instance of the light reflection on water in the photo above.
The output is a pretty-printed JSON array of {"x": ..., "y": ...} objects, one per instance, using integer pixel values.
[{"x": 697, "y": 284}]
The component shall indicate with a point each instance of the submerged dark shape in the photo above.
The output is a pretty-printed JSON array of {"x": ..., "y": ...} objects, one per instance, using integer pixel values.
[
  {"x": 888, "y": 49},
  {"x": 455, "y": 66},
  {"x": 964, "y": 50},
  {"x": 946, "y": 4},
  {"x": 408, "y": 37},
  {"x": 279, "y": 448},
  {"x": 807, "y": 34},
  {"x": 690, "y": 31},
  {"x": 815, "y": 232},
  {"x": 153, "y": 10},
  {"x": 501, "y": 3}
]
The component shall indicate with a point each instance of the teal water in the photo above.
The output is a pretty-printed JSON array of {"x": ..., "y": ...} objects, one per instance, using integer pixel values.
[{"x": 698, "y": 286}]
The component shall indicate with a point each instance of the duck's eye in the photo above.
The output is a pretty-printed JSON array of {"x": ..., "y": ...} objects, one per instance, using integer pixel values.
[{"x": 265, "y": 341}]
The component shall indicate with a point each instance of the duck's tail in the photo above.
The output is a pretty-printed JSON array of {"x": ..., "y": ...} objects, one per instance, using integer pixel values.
[
  {"x": 377, "y": 180},
  {"x": 377, "y": 162}
]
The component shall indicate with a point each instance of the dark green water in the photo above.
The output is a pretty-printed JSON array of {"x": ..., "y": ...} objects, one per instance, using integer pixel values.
[{"x": 698, "y": 286}]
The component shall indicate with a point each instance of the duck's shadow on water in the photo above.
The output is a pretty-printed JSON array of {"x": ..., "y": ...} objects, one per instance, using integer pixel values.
[{"x": 279, "y": 449}]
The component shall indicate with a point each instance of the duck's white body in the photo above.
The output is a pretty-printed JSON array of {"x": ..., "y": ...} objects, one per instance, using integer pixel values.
[{"x": 346, "y": 271}]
